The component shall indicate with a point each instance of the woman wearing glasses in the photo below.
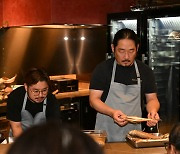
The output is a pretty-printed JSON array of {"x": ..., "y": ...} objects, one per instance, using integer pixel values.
[{"x": 32, "y": 103}]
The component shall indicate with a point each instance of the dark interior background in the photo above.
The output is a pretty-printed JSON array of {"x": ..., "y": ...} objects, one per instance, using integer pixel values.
[{"x": 22, "y": 48}]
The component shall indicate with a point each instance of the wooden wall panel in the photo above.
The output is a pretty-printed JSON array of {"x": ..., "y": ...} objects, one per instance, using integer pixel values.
[
  {"x": 35, "y": 12},
  {"x": 1, "y": 12},
  {"x": 26, "y": 12},
  {"x": 86, "y": 11}
]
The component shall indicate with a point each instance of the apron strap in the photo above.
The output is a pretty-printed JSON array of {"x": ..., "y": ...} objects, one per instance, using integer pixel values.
[
  {"x": 137, "y": 73},
  {"x": 113, "y": 71},
  {"x": 24, "y": 102}
]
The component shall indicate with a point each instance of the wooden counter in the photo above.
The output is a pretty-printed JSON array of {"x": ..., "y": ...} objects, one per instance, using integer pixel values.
[
  {"x": 3, "y": 104},
  {"x": 113, "y": 148},
  {"x": 3, "y": 108},
  {"x": 79, "y": 93},
  {"x": 83, "y": 91},
  {"x": 4, "y": 148},
  {"x": 124, "y": 148}
]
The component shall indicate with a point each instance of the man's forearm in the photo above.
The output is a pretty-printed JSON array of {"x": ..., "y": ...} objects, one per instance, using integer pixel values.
[
  {"x": 16, "y": 128},
  {"x": 102, "y": 107},
  {"x": 153, "y": 106},
  {"x": 98, "y": 105}
]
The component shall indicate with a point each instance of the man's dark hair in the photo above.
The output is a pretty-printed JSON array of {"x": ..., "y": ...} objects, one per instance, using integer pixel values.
[
  {"x": 34, "y": 75},
  {"x": 125, "y": 34},
  {"x": 54, "y": 138}
]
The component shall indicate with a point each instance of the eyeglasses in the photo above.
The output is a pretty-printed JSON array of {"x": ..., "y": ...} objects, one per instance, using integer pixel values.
[{"x": 37, "y": 92}]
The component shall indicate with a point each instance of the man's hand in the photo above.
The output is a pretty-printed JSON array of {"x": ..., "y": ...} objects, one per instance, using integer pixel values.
[
  {"x": 155, "y": 117},
  {"x": 119, "y": 118}
]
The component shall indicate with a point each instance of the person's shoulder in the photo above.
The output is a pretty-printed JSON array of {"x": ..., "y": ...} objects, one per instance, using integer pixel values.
[
  {"x": 51, "y": 98},
  {"x": 108, "y": 61},
  {"x": 143, "y": 65},
  {"x": 18, "y": 91},
  {"x": 102, "y": 74},
  {"x": 106, "y": 64},
  {"x": 145, "y": 70},
  {"x": 16, "y": 96}
]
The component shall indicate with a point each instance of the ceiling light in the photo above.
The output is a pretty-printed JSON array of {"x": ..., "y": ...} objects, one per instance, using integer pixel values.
[
  {"x": 83, "y": 38},
  {"x": 66, "y": 38}
]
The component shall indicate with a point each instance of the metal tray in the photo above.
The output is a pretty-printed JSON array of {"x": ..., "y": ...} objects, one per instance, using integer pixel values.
[
  {"x": 98, "y": 135},
  {"x": 144, "y": 143}
]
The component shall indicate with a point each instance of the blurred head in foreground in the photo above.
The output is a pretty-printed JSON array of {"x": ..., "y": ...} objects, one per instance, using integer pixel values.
[
  {"x": 174, "y": 140},
  {"x": 53, "y": 138}
]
